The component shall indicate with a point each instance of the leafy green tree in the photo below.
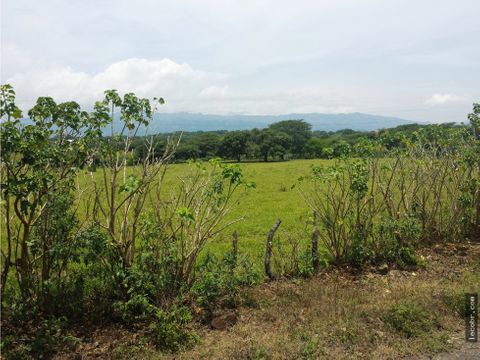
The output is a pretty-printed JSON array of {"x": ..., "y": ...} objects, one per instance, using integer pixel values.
[
  {"x": 38, "y": 160},
  {"x": 328, "y": 153},
  {"x": 207, "y": 144},
  {"x": 342, "y": 148},
  {"x": 118, "y": 198},
  {"x": 314, "y": 147},
  {"x": 299, "y": 131},
  {"x": 391, "y": 140},
  {"x": 367, "y": 148},
  {"x": 474, "y": 118},
  {"x": 253, "y": 144},
  {"x": 234, "y": 144},
  {"x": 187, "y": 151},
  {"x": 272, "y": 143}
]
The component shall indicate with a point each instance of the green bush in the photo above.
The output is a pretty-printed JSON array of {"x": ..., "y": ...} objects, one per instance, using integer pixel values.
[
  {"x": 396, "y": 242},
  {"x": 137, "y": 308},
  {"x": 304, "y": 265},
  {"x": 292, "y": 259},
  {"x": 41, "y": 341},
  {"x": 170, "y": 331},
  {"x": 219, "y": 281},
  {"x": 63, "y": 297},
  {"x": 406, "y": 257},
  {"x": 210, "y": 283},
  {"x": 408, "y": 319},
  {"x": 455, "y": 301},
  {"x": 360, "y": 253}
]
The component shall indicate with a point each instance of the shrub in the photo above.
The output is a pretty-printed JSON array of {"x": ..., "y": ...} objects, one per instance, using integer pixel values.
[
  {"x": 304, "y": 265},
  {"x": 455, "y": 301},
  {"x": 407, "y": 257},
  {"x": 219, "y": 281},
  {"x": 170, "y": 331},
  {"x": 211, "y": 282},
  {"x": 422, "y": 192},
  {"x": 361, "y": 253},
  {"x": 39, "y": 341},
  {"x": 137, "y": 308},
  {"x": 291, "y": 259},
  {"x": 63, "y": 297},
  {"x": 409, "y": 319}
]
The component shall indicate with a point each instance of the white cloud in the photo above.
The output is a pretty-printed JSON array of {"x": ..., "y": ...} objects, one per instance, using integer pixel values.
[
  {"x": 221, "y": 101},
  {"x": 280, "y": 56},
  {"x": 14, "y": 60},
  {"x": 144, "y": 77},
  {"x": 183, "y": 87},
  {"x": 440, "y": 99},
  {"x": 214, "y": 91}
]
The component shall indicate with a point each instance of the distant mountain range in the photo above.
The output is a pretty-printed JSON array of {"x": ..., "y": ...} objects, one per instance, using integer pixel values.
[{"x": 171, "y": 122}]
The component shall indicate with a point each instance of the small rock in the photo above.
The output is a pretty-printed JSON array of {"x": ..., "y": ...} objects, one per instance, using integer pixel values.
[{"x": 223, "y": 321}]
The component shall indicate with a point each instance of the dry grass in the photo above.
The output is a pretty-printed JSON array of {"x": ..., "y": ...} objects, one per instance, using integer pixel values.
[{"x": 337, "y": 315}]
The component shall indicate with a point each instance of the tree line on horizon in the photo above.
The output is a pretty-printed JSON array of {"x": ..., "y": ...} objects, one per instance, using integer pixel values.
[{"x": 288, "y": 139}]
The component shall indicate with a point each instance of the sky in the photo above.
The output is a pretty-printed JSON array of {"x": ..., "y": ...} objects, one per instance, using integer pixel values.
[{"x": 418, "y": 60}]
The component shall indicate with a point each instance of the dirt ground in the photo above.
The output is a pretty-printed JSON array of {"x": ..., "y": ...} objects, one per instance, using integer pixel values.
[{"x": 338, "y": 314}]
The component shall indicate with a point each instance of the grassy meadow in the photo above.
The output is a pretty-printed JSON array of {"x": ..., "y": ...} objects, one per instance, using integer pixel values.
[{"x": 256, "y": 209}]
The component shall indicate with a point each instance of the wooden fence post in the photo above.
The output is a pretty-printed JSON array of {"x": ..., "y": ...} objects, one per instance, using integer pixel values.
[{"x": 268, "y": 250}]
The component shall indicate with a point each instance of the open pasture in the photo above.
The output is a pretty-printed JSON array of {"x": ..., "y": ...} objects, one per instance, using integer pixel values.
[{"x": 255, "y": 209}]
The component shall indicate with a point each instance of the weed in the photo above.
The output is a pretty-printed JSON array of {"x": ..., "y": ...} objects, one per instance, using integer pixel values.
[
  {"x": 408, "y": 319},
  {"x": 170, "y": 332}
]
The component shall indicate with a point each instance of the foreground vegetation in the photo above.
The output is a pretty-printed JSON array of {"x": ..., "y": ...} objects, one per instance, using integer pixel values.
[
  {"x": 96, "y": 236},
  {"x": 337, "y": 315}
]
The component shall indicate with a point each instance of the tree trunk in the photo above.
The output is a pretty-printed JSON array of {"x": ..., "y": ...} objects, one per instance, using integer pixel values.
[{"x": 8, "y": 255}]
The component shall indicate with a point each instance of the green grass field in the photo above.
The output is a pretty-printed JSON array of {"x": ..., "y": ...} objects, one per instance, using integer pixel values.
[
  {"x": 273, "y": 198},
  {"x": 258, "y": 208}
]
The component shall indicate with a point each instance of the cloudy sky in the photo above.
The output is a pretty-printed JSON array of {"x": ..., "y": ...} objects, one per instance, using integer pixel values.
[{"x": 418, "y": 60}]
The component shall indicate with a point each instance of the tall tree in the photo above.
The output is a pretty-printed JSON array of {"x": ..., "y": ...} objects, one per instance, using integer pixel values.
[
  {"x": 273, "y": 143},
  {"x": 313, "y": 147},
  {"x": 234, "y": 145},
  {"x": 38, "y": 164},
  {"x": 299, "y": 131},
  {"x": 207, "y": 144}
]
